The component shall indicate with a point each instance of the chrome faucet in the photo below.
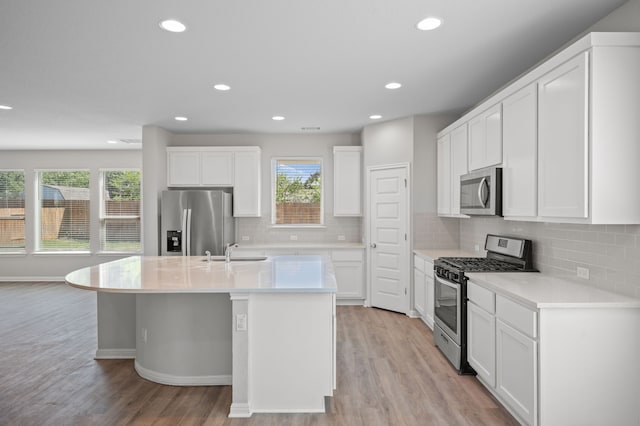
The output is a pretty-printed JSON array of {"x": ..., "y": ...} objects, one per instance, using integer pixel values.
[
  {"x": 208, "y": 254},
  {"x": 227, "y": 251}
]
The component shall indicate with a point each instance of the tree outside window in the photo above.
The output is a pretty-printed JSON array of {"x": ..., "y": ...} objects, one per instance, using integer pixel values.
[{"x": 298, "y": 192}]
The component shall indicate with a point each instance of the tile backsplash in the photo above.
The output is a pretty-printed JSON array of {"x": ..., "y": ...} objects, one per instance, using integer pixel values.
[
  {"x": 260, "y": 230},
  {"x": 431, "y": 231},
  {"x": 611, "y": 253}
]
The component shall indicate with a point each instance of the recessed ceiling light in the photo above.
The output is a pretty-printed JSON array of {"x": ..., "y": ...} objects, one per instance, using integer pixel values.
[
  {"x": 393, "y": 85},
  {"x": 375, "y": 117},
  {"x": 430, "y": 23},
  {"x": 5, "y": 107},
  {"x": 222, "y": 87},
  {"x": 173, "y": 26},
  {"x": 277, "y": 118},
  {"x": 112, "y": 141},
  {"x": 181, "y": 118}
]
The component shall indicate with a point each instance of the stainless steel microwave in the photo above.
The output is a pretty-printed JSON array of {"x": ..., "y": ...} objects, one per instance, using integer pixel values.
[{"x": 481, "y": 192}]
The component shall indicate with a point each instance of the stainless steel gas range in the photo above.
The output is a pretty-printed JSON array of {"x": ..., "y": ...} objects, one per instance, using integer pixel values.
[{"x": 504, "y": 254}]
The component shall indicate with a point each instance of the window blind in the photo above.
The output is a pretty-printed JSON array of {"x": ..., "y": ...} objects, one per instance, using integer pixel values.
[
  {"x": 64, "y": 201},
  {"x": 120, "y": 211},
  {"x": 11, "y": 210},
  {"x": 298, "y": 191}
]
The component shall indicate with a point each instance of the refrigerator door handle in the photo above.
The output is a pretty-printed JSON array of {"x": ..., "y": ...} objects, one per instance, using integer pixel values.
[
  {"x": 185, "y": 238},
  {"x": 188, "y": 232}
]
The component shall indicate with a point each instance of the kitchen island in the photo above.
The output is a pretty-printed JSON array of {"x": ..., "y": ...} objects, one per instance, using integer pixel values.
[{"x": 267, "y": 327}]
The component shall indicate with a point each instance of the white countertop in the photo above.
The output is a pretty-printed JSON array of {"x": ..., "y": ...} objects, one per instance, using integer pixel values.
[
  {"x": 538, "y": 291},
  {"x": 433, "y": 254},
  {"x": 300, "y": 245},
  {"x": 178, "y": 274}
]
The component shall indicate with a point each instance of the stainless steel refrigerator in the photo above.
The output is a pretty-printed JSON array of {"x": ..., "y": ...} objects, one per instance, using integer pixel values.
[{"x": 195, "y": 221}]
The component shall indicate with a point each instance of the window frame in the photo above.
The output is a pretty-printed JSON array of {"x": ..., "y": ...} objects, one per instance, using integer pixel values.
[
  {"x": 23, "y": 249},
  {"x": 102, "y": 217},
  {"x": 38, "y": 214},
  {"x": 274, "y": 163}
]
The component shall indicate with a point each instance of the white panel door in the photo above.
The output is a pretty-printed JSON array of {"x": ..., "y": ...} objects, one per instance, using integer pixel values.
[
  {"x": 388, "y": 239},
  {"x": 520, "y": 166},
  {"x": 444, "y": 175},
  {"x": 563, "y": 140}
]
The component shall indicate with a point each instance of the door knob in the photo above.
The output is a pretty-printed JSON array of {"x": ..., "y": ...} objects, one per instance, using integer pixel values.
[{"x": 372, "y": 245}]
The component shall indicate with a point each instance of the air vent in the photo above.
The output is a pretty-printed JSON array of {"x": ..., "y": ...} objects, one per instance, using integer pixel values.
[{"x": 131, "y": 141}]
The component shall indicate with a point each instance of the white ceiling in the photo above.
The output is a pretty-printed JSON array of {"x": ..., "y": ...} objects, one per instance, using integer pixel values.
[{"x": 78, "y": 73}]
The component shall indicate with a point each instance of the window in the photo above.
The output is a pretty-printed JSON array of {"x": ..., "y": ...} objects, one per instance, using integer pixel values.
[
  {"x": 297, "y": 194},
  {"x": 120, "y": 211},
  {"x": 63, "y": 214},
  {"x": 11, "y": 210}
]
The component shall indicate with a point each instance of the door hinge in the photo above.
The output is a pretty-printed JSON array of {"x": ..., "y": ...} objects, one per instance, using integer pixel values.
[
  {"x": 405, "y": 182},
  {"x": 405, "y": 290},
  {"x": 405, "y": 237}
]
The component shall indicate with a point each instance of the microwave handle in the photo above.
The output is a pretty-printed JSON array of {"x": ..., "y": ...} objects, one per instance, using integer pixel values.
[{"x": 481, "y": 194}]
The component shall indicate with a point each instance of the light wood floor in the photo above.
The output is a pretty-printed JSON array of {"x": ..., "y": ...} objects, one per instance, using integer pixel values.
[{"x": 389, "y": 373}]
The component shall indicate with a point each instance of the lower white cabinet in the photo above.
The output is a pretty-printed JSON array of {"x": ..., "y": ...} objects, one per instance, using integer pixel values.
[
  {"x": 423, "y": 289},
  {"x": 517, "y": 370},
  {"x": 481, "y": 338}
]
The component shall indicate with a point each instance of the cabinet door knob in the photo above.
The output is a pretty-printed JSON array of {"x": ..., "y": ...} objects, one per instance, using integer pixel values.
[{"x": 373, "y": 245}]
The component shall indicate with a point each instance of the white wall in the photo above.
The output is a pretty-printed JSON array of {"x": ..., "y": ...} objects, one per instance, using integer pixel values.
[
  {"x": 259, "y": 230},
  {"x": 154, "y": 181},
  {"x": 625, "y": 18},
  {"x": 52, "y": 266}
]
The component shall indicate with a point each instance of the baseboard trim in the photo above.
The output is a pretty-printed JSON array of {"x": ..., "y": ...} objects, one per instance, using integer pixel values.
[
  {"x": 115, "y": 354},
  {"x": 414, "y": 314},
  {"x": 32, "y": 279},
  {"x": 240, "y": 410},
  {"x": 349, "y": 302},
  {"x": 170, "y": 379}
]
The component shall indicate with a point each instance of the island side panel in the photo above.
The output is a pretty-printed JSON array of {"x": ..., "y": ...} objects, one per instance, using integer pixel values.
[
  {"x": 184, "y": 339},
  {"x": 116, "y": 325},
  {"x": 291, "y": 353},
  {"x": 240, "y": 388}
]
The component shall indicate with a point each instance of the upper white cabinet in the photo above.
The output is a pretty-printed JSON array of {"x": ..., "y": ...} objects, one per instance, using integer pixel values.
[
  {"x": 485, "y": 138},
  {"x": 566, "y": 134},
  {"x": 520, "y": 154},
  {"x": 207, "y": 167},
  {"x": 444, "y": 175},
  {"x": 458, "y": 165},
  {"x": 563, "y": 140},
  {"x": 347, "y": 181},
  {"x": 247, "y": 182}
]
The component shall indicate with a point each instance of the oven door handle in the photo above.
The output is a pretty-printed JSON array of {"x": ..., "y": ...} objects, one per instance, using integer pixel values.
[{"x": 446, "y": 283}]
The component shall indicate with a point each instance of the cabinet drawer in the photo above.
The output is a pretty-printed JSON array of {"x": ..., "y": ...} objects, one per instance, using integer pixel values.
[
  {"x": 428, "y": 268},
  {"x": 482, "y": 297},
  {"x": 517, "y": 316},
  {"x": 418, "y": 263},
  {"x": 347, "y": 255}
]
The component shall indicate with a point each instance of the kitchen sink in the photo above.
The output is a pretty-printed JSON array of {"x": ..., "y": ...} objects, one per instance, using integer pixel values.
[{"x": 237, "y": 259}]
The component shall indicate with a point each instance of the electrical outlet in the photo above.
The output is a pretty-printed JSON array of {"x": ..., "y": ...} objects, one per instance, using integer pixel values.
[
  {"x": 241, "y": 322},
  {"x": 583, "y": 273},
  {"x": 477, "y": 247},
  {"x": 245, "y": 238},
  {"x": 144, "y": 334},
  {"x": 341, "y": 238},
  {"x": 293, "y": 237}
]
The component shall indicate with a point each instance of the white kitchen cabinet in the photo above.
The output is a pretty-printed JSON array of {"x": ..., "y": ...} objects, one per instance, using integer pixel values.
[
  {"x": 247, "y": 182},
  {"x": 192, "y": 167},
  {"x": 485, "y": 138},
  {"x": 216, "y": 168},
  {"x": 347, "y": 181},
  {"x": 210, "y": 167},
  {"x": 520, "y": 154},
  {"x": 481, "y": 337},
  {"x": 459, "y": 164},
  {"x": 419, "y": 286},
  {"x": 517, "y": 371},
  {"x": 444, "y": 174},
  {"x": 563, "y": 144},
  {"x": 429, "y": 293}
]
